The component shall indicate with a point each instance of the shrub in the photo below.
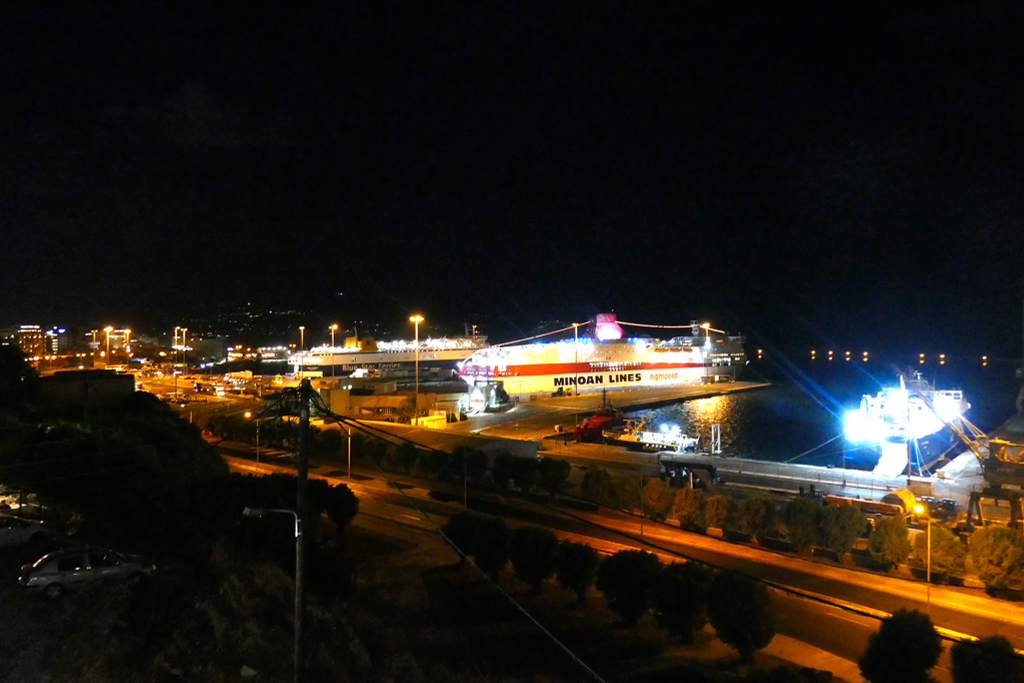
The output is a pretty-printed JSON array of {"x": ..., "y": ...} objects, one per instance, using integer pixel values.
[
  {"x": 903, "y": 649},
  {"x": 800, "y": 517},
  {"x": 627, "y": 580},
  {"x": 721, "y": 512},
  {"x": 552, "y": 474},
  {"x": 948, "y": 554},
  {"x": 741, "y": 612},
  {"x": 689, "y": 508},
  {"x": 997, "y": 554},
  {"x": 597, "y": 487},
  {"x": 577, "y": 568},
  {"x": 989, "y": 660},
  {"x": 533, "y": 552},
  {"x": 680, "y": 598},
  {"x": 839, "y": 526},
  {"x": 889, "y": 541},
  {"x": 492, "y": 546},
  {"x": 757, "y": 516},
  {"x": 657, "y": 499}
]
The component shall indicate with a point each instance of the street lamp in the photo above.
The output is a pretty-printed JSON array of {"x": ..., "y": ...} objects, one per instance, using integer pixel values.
[
  {"x": 299, "y": 585},
  {"x": 334, "y": 328},
  {"x": 919, "y": 509},
  {"x": 184, "y": 344},
  {"x": 576, "y": 358},
  {"x": 248, "y": 416},
  {"x": 416, "y": 320},
  {"x": 302, "y": 337},
  {"x": 108, "y": 329}
]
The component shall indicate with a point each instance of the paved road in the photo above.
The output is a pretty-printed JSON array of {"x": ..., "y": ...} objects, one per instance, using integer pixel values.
[{"x": 958, "y": 610}]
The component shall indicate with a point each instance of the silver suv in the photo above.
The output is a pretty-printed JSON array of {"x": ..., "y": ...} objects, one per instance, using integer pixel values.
[{"x": 65, "y": 570}]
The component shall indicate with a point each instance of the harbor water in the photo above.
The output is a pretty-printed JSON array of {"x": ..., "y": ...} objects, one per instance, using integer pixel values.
[{"x": 800, "y": 417}]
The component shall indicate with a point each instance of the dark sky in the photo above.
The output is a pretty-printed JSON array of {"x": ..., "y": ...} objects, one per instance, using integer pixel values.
[{"x": 799, "y": 174}]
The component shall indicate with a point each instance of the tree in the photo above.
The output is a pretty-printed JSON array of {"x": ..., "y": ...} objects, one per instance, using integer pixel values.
[
  {"x": 903, "y": 649},
  {"x": 997, "y": 554},
  {"x": 17, "y": 377},
  {"x": 469, "y": 461},
  {"x": 492, "y": 546},
  {"x": 503, "y": 469},
  {"x": 839, "y": 526},
  {"x": 598, "y": 487},
  {"x": 433, "y": 463},
  {"x": 741, "y": 612},
  {"x": 332, "y": 444},
  {"x": 758, "y": 517},
  {"x": 889, "y": 541},
  {"x": 406, "y": 456},
  {"x": 800, "y": 517},
  {"x": 577, "y": 568},
  {"x": 552, "y": 473},
  {"x": 658, "y": 499},
  {"x": 533, "y": 552},
  {"x": 689, "y": 508},
  {"x": 680, "y": 598},
  {"x": 462, "y": 531},
  {"x": 989, "y": 660},
  {"x": 524, "y": 472},
  {"x": 627, "y": 580},
  {"x": 948, "y": 554},
  {"x": 627, "y": 491},
  {"x": 721, "y": 512},
  {"x": 477, "y": 464}
]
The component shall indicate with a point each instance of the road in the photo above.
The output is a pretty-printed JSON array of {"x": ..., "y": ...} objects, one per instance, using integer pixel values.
[{"x": 828, "y": 607}]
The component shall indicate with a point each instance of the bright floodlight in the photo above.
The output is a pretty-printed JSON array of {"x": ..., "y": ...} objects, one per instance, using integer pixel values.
[{"x": 416, "y": 319}]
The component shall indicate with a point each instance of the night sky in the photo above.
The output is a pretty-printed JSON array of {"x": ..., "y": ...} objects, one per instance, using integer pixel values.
[{"x": 797, "y": 175}]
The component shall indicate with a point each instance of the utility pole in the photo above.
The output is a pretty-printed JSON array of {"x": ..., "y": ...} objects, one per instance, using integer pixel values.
[{"x": 305, "y": 398}]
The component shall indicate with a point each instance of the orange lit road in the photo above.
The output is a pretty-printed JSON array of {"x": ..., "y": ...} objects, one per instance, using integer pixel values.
[{"x": 843, "y": 632}]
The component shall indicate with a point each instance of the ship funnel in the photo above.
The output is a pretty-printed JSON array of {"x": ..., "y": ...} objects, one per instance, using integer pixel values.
[{"x": 606, "y": 327}]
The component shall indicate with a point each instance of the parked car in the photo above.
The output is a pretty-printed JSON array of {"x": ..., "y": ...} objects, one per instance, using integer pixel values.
[
  {"x": 65, "y": 570},
  {"x": 19, "y": 531}
]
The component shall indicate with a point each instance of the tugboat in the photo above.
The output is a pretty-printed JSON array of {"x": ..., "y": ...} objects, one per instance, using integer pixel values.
[
  {"x": 606, "y": 418},
  {"x": 637, "y": 435}
]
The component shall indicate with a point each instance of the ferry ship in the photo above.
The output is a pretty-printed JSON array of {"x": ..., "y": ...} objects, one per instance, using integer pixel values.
[
  {"x": 386, "y": 359},
  {"x": 907, "y": 424},
  {"x": 606, "y": 361}
]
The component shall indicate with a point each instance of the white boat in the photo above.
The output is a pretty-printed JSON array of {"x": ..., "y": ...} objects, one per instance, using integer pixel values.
[{"x": 637, "y": 434}]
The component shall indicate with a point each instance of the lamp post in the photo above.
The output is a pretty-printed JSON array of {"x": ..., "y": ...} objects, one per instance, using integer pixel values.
[
  {"x": 416, "y": 320},
  {"x": 576, "y": 358},
  {"x": 248, "y": 416},
  {"x": 184, "y": 361},
  {"x": 108, "y": 329},
  {"x": 334, "y": 328},
  {"x": 299, "y": 584},
  {"x": 349, "y": 430},
  {"x": 302, "y": 337},
  {"x": 174, "y": 349},
  {"x": 919, "y": 509}
]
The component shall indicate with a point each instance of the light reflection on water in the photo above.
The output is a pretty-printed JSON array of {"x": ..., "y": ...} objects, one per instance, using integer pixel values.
[{"x": 785, "y": 420}]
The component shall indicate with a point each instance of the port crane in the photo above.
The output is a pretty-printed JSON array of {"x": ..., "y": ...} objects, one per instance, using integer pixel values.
[{"x": 1004, "y": 477}]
